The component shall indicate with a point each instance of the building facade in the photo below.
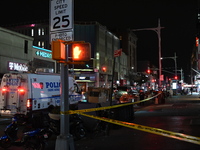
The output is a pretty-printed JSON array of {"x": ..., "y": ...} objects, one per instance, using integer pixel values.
[
  {"x": 103, "y": 43},
  {"x": 128, "y": 43},
  {"x": 38, "y": 30},
  {"x": 15, "y": 51}
]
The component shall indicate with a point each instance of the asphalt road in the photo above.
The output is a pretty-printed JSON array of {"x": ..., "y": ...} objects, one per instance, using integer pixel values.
[{"x": 179, "y": 114}]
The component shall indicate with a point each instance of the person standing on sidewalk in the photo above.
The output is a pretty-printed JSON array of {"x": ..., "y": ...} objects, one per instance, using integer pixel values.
[
  {"x": 142, "y": 96},
  {"x": 191, "y": 90}
]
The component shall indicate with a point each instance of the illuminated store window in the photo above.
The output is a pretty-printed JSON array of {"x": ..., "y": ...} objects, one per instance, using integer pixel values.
[
  {"x": 39, "y": 31},
  {"x": 32, "y": 32},
  {"x": 42, "y": 44},
  {"x": 42, "y": 31},
  {"x": 39, "y": 43}
]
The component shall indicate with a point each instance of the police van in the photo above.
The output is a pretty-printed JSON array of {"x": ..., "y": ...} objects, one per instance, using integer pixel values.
[{"x": 25, "y": 92}]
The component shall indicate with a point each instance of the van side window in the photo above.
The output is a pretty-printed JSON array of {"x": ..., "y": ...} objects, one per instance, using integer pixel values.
[{"x": 41, "y": 85}]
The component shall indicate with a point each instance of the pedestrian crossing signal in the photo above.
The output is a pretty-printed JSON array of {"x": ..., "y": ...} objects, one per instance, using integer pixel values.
[
  {"x": 81, "y": 51},
  {"x": 58, "y": 50}
]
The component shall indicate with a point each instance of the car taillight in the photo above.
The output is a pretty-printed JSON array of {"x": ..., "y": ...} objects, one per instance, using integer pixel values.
[
  {"x": 29, "y": 104},
  {"x": 4, "y": 89},
  {"x": 21, "y": 90}
]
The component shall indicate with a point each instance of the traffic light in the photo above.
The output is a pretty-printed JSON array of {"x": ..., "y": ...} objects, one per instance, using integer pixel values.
[
  {"x": 197, "y": 41},
  {"x": 58, "y": 50},
  {"x": 175, "y": 77},
  {"x": 81, "y": 51},
  {"x": 104, "y": 69},
  {"x": 148, "y": 71}
]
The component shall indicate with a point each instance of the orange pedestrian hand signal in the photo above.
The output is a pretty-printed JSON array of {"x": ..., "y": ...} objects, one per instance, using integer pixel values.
[
  {"x": 81, "y": 51},
  {"x": 76, "y": 53}
]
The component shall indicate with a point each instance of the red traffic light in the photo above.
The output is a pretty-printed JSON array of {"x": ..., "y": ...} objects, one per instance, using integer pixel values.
[
  {"x": 148, "y": 71},
  {"x": 81, "y": 51},
  {"x": 104, "y": 69},
  {"x": 175, "y": 77}
]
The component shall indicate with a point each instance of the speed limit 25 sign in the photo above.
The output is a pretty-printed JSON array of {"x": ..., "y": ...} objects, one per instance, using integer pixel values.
[{"x": 61, "y": 17}]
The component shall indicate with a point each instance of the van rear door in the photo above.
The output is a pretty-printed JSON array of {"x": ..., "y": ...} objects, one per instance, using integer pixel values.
[{"x": 11, "y": 93}]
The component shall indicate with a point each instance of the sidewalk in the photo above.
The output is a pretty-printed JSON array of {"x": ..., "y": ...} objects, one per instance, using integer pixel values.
[
  {"x": 193, "y": 96},
  {"x": 172, "y": 99}
]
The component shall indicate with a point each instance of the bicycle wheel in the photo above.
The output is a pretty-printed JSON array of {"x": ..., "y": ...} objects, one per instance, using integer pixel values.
[
  {"x": 34, "y": 143},
  {"x": 5, "y": 143}
]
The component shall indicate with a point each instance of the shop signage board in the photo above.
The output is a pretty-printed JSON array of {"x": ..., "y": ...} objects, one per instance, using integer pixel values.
[
  {"x": 15, "y": 66},
  {"x": 118, "y": 53}
]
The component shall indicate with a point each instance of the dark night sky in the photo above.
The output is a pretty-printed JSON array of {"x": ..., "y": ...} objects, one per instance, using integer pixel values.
[{"x": 178, "y": 17}]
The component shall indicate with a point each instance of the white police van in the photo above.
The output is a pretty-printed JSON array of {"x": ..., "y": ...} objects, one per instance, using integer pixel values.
[{"x": 25, "y": 92}]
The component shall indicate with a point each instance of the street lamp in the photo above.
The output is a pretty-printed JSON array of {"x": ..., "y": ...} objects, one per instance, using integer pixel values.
[
  {"x": 174, "y": 58},
  {"x": 157, "y": 30},
  {"x": 181, "y": 74}
]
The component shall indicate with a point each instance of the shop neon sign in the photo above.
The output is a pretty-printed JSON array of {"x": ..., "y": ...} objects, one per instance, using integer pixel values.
[
  {"x": 43, "y": 54},
  {"x": 14, "y": 66}
]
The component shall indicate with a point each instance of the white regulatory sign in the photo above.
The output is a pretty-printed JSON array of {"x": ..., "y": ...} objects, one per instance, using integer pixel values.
[
  {"x": 61, "y": 17},
  {"x": 64, "y": 35}
]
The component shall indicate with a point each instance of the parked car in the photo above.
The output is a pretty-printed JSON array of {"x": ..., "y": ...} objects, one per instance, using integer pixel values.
[
  {"x": 133, "y": 92},
  {"x": 126, "y": 96},
  {"x": 119, "y": 93}
]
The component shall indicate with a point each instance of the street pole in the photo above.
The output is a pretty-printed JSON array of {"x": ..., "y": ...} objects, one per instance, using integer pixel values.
[
  {"x": 113, "y": 74},
  {"x": 159, "y": 55},
  {"x": 157, "y": 30},
  {"x": 65, "y": 140},
  {"x": 175, "y": 64},
  {"x": 181, "y": 74},
  {"x": 175, "y": 71}
]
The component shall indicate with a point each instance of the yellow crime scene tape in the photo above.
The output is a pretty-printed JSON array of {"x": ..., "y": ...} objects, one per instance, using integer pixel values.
[
  {"x": 179, "y": 136},
  {"x": 170, "y": 134},
  {"x": 104, "y": 108}
]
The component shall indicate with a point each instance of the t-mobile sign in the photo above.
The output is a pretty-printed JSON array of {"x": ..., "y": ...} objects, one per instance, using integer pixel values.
[{"x": 14, "y": 66}]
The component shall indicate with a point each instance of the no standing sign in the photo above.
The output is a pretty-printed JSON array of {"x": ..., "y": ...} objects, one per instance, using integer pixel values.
[{"x": 61, "y": 20}]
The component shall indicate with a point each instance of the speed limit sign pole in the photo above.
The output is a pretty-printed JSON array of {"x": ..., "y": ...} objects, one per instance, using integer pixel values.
[{"x": 61, "y": 27}]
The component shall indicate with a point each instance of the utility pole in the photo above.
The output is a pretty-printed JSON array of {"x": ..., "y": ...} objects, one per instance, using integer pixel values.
[
  {"x": 175, "y": 64},
  {"x": 157, "y": 30}
]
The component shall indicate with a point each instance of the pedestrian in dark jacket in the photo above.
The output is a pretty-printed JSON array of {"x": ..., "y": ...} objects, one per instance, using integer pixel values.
[
  {"x": 142, "y": 96},
  {"x": 191, "y": 90}
]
